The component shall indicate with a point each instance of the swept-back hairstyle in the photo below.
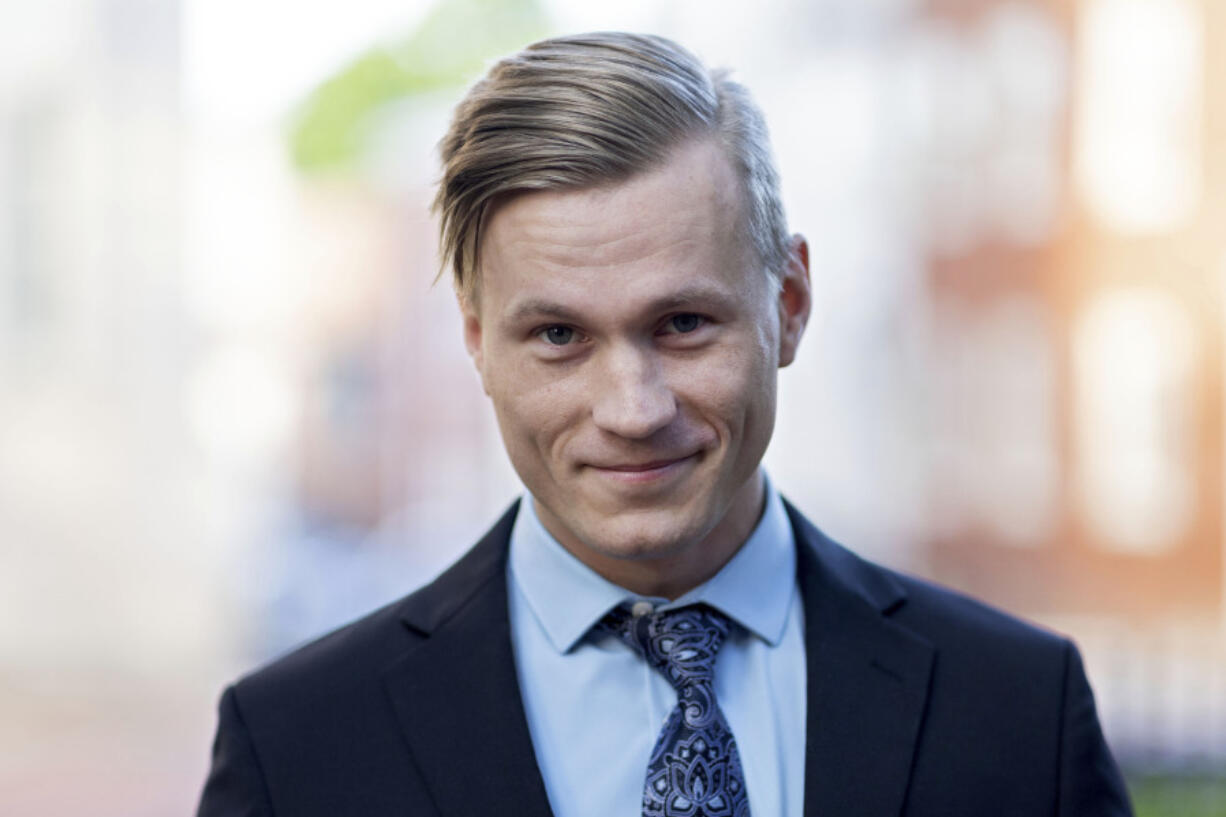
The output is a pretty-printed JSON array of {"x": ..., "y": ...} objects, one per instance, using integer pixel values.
[{"x": 592, "y": 109}]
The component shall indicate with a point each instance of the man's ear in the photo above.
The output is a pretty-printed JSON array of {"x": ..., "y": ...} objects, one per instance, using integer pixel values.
[
  {"x": 795, "y": 299},
  {"x": 472, "y": 337}
]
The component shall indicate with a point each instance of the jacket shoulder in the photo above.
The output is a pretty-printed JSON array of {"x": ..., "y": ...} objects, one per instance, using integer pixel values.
[
  {"x": 989, "y": 664},
  {"x": 940, "y": 615},
  {"x": 951, "y": 617}
]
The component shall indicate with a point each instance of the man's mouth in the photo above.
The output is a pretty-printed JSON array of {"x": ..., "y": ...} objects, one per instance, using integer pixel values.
[
  {"x": 646, "y": 466},
  {"x": 634, "y": 473}
]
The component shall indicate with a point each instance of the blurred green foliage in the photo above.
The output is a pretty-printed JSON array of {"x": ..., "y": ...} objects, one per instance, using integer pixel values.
[
  {"x": 1178, "y": 796},
  {"x": 450, "y": 48}
]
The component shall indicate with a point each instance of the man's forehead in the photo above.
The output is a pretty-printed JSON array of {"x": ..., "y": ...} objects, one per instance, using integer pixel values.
[{"x": 691, "y": 197}]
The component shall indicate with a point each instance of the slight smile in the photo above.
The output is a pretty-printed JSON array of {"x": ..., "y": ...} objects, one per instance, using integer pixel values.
[{"x": 647, "y": 472}]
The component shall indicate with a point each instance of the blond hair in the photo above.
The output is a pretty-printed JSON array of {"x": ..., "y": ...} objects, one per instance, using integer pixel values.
[{"x": 591, "y": 109}]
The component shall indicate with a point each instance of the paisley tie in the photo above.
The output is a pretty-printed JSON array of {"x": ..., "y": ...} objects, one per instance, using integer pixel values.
[{"x": 694, "y": 770}]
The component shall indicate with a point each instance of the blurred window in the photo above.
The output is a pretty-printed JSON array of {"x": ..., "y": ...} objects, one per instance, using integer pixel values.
[
  {"x": 1137, "y": 138},
  {"x": 1133, "y": 362}
]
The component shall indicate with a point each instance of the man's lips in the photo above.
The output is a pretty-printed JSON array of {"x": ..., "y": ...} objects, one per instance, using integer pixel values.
[
  {"x": 633, "y": 468},
  {"x": 640, "y": 473}
]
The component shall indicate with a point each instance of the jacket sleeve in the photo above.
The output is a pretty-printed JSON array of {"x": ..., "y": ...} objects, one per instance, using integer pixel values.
[
  {"x": 1090, "y": 782},
  {"x": 235, "y": 786}
]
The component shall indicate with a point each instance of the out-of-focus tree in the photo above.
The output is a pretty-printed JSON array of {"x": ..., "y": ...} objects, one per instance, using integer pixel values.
[{"x": 450, "y": 47}]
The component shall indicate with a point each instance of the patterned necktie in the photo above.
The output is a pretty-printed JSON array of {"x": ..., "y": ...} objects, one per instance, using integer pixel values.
[{"x": 694, "y": 770}]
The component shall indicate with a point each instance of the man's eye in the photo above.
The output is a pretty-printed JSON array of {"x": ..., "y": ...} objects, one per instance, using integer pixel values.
[
  {"x": 557, "y": 335},
  {"x": 684, "y": 323}
]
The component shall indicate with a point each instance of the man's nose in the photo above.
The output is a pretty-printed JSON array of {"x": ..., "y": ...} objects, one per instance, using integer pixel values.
[{"x": 631, "y": 396}]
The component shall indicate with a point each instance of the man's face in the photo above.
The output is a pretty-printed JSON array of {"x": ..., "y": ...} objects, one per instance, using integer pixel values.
[{"x": 629, "y": 343}]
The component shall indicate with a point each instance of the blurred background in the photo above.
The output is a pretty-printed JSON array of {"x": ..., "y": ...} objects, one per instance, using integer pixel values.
[{"x": 234, "y": 413}]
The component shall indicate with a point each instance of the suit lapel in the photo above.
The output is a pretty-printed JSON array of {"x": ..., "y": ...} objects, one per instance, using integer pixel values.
[
  {"x": 456, "y": 694},
  {"x": 867, "y": 682}
]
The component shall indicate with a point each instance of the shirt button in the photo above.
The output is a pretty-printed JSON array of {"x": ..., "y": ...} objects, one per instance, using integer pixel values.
[{"x": 641, "y": 608}]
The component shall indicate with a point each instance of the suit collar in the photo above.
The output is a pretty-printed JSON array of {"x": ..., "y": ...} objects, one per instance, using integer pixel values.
[
  {"x": 456, "y": 694},
  {"x": 429, "y": 608},
  {"x": 844, "y": 570},
  {"x": 867, "y": 681}
]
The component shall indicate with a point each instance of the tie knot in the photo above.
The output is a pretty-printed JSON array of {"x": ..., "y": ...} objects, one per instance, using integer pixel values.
[{"x": 681, "y": 643}]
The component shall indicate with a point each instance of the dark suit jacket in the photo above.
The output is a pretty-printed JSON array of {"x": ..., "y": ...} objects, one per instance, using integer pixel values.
[{"x": 920, "y": 702}]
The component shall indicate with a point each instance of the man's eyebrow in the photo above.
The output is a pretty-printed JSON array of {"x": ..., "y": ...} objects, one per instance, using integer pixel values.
[
  {"x": 695, "y": 296},
  {"x": 688, "y": 297},
  {"x": 537, "y": 308}
]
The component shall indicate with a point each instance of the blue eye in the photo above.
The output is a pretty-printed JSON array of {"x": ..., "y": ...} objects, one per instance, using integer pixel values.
[
  {"x": 684, "y": 323},
  {"x": 557, "y": 335}
]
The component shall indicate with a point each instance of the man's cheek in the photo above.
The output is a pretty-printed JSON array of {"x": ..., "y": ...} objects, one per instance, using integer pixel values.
[
  {"x": 538, "y": 418},
  {"x": 721, "y": 388}
]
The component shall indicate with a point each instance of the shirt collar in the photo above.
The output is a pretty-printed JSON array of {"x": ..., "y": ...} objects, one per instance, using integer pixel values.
[{"x": 567, "y": 597}]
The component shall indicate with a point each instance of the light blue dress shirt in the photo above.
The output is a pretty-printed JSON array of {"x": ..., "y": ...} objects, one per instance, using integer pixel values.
[{"x": 595, "y": 707}]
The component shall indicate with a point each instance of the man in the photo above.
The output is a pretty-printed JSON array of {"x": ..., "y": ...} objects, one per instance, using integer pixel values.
[{"x": 651, "y": 630}]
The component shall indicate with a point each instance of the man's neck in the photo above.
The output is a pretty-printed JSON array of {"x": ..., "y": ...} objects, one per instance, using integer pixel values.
[{"x": 674, "y": 574}]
